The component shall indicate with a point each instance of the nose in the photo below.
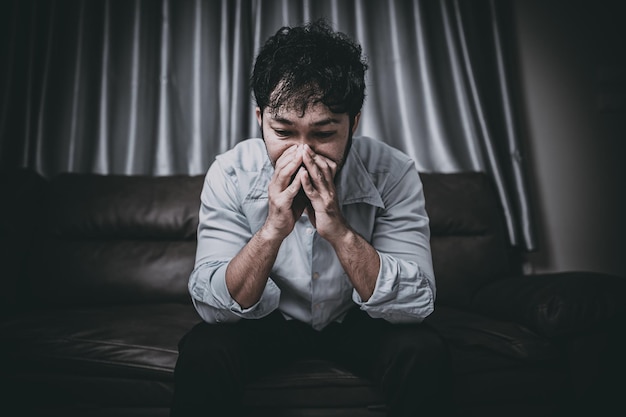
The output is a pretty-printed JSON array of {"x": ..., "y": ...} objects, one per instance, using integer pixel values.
[{"x": 303, "y": 140}]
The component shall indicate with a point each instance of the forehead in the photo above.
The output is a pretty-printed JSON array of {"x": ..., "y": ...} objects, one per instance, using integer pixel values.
[{"x": 314, "y": 115}]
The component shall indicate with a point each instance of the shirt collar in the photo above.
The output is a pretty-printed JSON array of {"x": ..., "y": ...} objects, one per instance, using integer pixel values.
[{"x": 355, "y": 184}]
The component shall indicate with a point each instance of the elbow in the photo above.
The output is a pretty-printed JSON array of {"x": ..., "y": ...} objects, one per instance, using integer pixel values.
[{"x": 214, "y": 315}]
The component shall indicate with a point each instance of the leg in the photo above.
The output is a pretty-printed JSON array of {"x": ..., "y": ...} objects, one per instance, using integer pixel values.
[
  {"x": 216, "y": 360},
  {"x": 409, "y": 361},
  {"x": 413, "y": 370}
]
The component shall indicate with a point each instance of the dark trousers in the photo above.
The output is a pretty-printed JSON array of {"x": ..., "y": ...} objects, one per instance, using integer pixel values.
[{"x": 409, "y": 361}]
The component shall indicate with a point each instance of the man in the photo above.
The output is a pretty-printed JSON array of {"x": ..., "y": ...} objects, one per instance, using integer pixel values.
[{"x": 311, "y": 242}]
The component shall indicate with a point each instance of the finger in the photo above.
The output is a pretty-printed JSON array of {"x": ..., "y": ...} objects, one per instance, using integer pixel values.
[
  {"x": 288, "y": 167},
  {"x": 319, "y": 169},
  {"x": 286, "y": 157},
  {"x": 295, "y": 186},
  {"x": 307, "y": 185},
  {"x": 285, "y": 198},
  {"x": 333, "y": 167}
]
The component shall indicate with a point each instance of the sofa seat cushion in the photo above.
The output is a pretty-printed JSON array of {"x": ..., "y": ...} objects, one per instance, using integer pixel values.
[
  {"x": 493, "y": 359},
  {"x": 114, "y": 341},
  {"x": 115, "y": 355},
  {"x": 124, "y": 355},
  {"x": 499, "y": 343}
]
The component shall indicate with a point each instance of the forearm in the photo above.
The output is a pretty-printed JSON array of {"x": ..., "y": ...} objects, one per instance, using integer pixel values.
[
  {"x": 359, "y": 260},
  {"x": 248, "y": 271}
]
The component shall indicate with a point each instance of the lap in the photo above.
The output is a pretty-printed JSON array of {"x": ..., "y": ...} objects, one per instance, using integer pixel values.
[
  {"x": 365, "y": 344},
  {"x": 255, "y": 346},
  {"x": 217, "y": 360},
  {"x": 360, "y": 343}
]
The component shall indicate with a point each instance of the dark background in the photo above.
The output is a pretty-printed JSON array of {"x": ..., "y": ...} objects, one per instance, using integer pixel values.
[{"x": 572, "y": 78}]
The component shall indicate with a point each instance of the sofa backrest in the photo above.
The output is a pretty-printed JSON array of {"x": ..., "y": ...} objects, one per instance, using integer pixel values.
[
  {"x": 469, "y": 244},
  {"x": 115, "y": 239}
]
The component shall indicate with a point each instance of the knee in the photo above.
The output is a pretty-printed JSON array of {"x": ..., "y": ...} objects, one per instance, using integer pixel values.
[
  {"x": 205, "y": 350},
  {"x": 419, "y": 350}
]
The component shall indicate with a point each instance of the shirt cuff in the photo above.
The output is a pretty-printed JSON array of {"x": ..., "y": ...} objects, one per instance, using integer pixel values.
[
  {"x": 268, "y": 302},
  {"x": 401, "y": 295},
  {"x": 385, "y": 289}
]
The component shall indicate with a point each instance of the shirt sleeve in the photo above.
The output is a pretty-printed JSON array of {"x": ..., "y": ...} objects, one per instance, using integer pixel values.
[
  {"x": 223, "y": 231},
  {"x": 405, "y": 287}
]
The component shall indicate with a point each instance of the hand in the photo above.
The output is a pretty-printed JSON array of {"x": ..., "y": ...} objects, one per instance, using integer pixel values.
[
  {"x": 319, "y": 186},
  {"x": 285, "y": 207}
]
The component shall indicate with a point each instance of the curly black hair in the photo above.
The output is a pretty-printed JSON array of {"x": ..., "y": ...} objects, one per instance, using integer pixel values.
[{"x": 304, "y": 65}]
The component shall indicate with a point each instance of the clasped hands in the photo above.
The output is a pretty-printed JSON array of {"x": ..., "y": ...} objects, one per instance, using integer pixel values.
[{"x": 304, "y": 180}]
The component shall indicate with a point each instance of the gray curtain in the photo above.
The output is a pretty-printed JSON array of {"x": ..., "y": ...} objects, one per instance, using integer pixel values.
[{"x": 161, "y": 87}]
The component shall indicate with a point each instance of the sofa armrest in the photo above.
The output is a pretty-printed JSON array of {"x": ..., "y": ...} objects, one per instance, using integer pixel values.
[
  {"x": 21, "y": 193},
  {"x": 554, "y": 305}
]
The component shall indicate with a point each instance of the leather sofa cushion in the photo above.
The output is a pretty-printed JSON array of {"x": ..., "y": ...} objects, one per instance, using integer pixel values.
[
  {"x": 114, "y": 341},
  {"x": 108, "y": 271},
  {"x": 468, "y": 241},
  {"x": 555, "y": 305},
  {"x": 110, "y": 356},
  {"x": 90, "y": 206},
  {"x": 464, "y": 330},
  {"x": 100, "y": 356},
  {"x": 110, "y": 239}
]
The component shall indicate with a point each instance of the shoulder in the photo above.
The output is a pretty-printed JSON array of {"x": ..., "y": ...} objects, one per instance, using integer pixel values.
[
  {"x": 244, "y": 170},
  {"x": 249, "y": 155},
  {"x": 379, "y": 157}
]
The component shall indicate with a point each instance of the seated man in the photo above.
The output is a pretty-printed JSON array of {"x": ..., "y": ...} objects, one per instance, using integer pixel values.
[{"x": 311, "y": 243}]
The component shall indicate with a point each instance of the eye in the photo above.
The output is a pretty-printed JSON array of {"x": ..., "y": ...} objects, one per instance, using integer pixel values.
[
  {"x": 324, "y": 135},
  {"x": 282, "y": 133}
]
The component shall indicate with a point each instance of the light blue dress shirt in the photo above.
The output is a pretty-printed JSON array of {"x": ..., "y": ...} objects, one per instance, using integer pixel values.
[{"x": 381, "y": 197}]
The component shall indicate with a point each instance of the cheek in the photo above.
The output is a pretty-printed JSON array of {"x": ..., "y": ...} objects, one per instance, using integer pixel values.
[
  {"x": 276, "y": 149},
  {"x": 334, "y": 151}
]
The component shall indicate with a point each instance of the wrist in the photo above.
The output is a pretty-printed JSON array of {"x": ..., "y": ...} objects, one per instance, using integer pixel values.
[
  {"x": 340, "y": 236},
  {"x": 270, "y": 235}
]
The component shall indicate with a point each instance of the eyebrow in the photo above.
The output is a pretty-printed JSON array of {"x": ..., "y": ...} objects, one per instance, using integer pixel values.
[
  {"x": 282, "y": 120},
  {"x": 323, "y": 122}
]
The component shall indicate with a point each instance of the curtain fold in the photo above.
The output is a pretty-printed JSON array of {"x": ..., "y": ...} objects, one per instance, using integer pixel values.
[{"x": 161, "y": 87}]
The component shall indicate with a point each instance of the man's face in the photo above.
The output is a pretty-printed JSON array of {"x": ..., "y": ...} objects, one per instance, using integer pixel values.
[{"x": 325, "y": 132}]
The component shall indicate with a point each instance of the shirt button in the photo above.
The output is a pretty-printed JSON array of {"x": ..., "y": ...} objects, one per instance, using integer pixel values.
[
  {"x": 316, "y": 275},
  {"x": 309, "y": 230}
]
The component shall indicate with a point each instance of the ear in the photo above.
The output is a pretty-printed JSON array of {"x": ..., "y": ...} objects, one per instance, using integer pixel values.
[
  {"x": 259, "y": 117},
  {"x": 355, "y": 125}
]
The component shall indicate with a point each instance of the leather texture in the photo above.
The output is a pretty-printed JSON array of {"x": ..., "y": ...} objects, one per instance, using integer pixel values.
[
  {"x": 116, "y": 239},
  {"x": 94, "y": 291},
  {"x": 555, "y": 305},
  {"x": 468, "y": 239}
]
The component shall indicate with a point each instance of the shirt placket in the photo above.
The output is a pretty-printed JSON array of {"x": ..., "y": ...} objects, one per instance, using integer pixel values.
[{"x": 317, "y": 319}]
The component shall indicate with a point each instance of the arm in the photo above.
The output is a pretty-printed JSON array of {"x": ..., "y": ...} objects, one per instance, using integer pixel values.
[
  {"x": 231, "y": 277},
  {"x": 392, "y": 273},
  {"x": 249, "y": 270},
  {"x": 358, "y": 258},
  {"x": 405, "y": 287}
]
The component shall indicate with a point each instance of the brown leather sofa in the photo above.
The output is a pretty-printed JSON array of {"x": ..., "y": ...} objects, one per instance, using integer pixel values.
[{"x": 94, "y": 300}]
